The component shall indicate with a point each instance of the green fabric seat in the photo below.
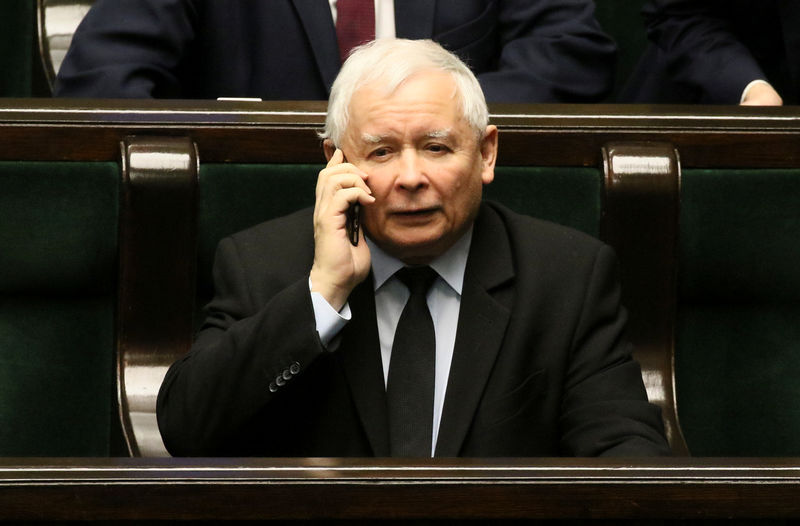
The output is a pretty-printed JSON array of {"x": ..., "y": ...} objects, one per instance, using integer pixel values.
[
  {"x": 738, "y": 335},
  {"x": 565, "y": 195},
  {"x": 17, "y": 36},
  {"x": 58, "y": 268},
  {"x": 233, "y": 197}
]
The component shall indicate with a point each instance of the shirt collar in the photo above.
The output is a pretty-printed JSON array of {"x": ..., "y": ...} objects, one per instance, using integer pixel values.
[{"x": 450, "y": 266}]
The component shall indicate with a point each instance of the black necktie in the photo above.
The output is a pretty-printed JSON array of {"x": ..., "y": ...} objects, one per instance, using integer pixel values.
[{"x": 409, "y": 390}]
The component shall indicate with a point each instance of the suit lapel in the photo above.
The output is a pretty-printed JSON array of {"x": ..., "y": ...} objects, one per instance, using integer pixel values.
[
  {"x": 318, "y": 23},
  {"x": 414, "y": 18},
  {"x": 481, "y": 326},
  {"x": 361, "y": 358}
]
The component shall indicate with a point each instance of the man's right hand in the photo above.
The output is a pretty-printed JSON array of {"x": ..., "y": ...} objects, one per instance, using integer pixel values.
[
  {"x": 338, "y": 265},
  {"x": 761, "y": 94}
]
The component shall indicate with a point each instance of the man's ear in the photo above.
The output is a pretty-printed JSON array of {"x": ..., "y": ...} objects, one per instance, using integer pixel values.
[
  {"x": 329, "y": 148},
  {"x": 488, "y": 153}
]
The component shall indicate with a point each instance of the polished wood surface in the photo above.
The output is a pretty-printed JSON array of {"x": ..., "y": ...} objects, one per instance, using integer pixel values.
[
  {"x": 56, "y": 23},
  {"x": 640, "y": 220},
  {"x": 225, "y": 489},
  {"x": 566, "y": 135},
  {"x": 157, "y": 277}
]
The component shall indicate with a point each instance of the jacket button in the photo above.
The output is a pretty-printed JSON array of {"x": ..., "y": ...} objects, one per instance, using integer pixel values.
[
  {"x": 272, "y": 387},
  {"x": 294, "y": 368},
  {"x": 279, "y": 381},
  {"x": 286, "y": 374}
]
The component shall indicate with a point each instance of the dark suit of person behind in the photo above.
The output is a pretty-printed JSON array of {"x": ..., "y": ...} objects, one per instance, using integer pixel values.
[
  {"x": 540, "y": 365},
  {"x": 708, "y": 51},
  {"x": 521, "y": 50}
]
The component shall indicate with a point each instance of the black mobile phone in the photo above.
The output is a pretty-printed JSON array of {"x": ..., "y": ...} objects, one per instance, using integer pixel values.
[
  {"x": 353, "y": 218},
  {"x": 353, "y": 222}
]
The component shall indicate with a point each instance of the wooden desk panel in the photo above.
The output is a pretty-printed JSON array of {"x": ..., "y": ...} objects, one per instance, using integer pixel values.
[{"x": 204, "y": 489}]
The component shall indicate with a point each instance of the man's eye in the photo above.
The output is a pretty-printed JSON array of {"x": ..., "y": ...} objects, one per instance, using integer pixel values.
[
  {"x": 437, "y": 148},
  {"x": 380, "y": 152}
]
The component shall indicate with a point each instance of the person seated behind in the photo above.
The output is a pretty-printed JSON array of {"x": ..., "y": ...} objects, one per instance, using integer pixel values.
[
  {"x": 521, "y": 50},
  {"x": 516, "y": 349},
  {"x": 719, "y": 52}
]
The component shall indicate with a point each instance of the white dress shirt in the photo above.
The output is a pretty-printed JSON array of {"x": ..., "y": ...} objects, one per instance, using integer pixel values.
[{"x": 444, "y": 303}]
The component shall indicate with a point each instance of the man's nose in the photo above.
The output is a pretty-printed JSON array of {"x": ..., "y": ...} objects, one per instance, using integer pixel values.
[{"x": 411, "y": 175}]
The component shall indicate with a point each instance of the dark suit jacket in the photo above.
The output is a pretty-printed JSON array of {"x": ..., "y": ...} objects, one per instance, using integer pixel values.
[
  {"x": 707, "y": 51},
  {"x": 522, "y": 50},
  {"x": 540, "y": 366}
]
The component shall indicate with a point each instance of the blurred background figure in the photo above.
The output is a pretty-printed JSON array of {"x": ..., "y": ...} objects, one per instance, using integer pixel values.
[
  {"x": 719, "y": 52},
  {"x": 521, "y": 50}
]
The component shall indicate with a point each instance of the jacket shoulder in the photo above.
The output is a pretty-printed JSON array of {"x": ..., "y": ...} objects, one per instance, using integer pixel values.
[
  {"x": 525, "y": 230},
  {"x": 281, "y": 248}
]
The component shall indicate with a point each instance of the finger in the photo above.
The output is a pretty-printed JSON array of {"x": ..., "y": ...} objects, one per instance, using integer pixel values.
[
  {"x": 337, "y": 200},
  {"x": 343, "y": 168},
  {"x": 347, "y": 196},
  {"x": 334, "y": 168},
  {"x": 337, "y": 182},
  {"x": 336, "y": 158},
  {"x": 335, "y": 213}
]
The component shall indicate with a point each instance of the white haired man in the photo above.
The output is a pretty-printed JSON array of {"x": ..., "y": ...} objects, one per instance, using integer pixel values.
[{"x": 512, "y": 346}]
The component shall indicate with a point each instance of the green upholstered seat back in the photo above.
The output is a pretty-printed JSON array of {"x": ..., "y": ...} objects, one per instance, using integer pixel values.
[
  {"x": 235, "y": 196},
  {"x": 738, "y": 336},
  {"x": 58, "y": 267},
  {"x": 566, "y": 195},
  {"x": 17, "y": 47}
]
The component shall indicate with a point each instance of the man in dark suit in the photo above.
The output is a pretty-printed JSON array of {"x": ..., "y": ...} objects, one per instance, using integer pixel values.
[
  {"x": 521, "y": 50},
  {"x": 303, "y": 348},
  {"x": 719, "y": 52}
]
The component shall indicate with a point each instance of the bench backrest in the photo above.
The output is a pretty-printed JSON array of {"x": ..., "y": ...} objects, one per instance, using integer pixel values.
[
  {"x": 738, "y": 336},
  {"x": 58, "y": 279}
]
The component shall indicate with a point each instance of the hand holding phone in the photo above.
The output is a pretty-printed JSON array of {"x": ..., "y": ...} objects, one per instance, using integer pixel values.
[{"x": 340, "y": 261}]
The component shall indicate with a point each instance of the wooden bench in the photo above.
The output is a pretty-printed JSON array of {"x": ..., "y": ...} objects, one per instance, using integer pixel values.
[
  {"x": 662, "y": 186},
  {"x": 193, "y": 172}
]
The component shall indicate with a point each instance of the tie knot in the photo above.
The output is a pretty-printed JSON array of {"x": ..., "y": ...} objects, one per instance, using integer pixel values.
[{"x": 417, "y": 279}]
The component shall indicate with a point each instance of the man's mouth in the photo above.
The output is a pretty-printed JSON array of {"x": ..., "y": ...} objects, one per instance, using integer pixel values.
[{"x": 414, "y": 212}]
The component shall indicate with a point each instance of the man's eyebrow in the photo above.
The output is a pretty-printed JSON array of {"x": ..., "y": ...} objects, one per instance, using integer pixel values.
[
  {"x": 433, "y": 134},
  {"x": 373, "y": 139},
  {"x": 439, "y": 134}
]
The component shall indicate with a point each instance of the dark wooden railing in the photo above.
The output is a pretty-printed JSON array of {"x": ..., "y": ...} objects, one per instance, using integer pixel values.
[{"x": 362, "y": 489}]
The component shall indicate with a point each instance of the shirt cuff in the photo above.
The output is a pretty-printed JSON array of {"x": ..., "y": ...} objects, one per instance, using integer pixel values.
[
  {"x": 747, "y": 88},
  {"x": 329, "y": 321}
]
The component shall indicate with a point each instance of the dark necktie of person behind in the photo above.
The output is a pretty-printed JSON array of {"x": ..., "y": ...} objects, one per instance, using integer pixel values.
[
  {"x": 355, "y": 24},
  {"x": 410, "y": 386}
]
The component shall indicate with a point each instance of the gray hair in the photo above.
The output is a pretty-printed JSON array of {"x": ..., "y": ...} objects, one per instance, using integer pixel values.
[{"x": 391, "y": 62}]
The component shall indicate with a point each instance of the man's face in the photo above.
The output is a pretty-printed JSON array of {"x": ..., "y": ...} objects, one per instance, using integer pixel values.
[{"x": 426, "y": 165}]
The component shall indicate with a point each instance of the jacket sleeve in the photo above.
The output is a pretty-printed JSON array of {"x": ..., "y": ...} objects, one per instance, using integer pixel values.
[
  {"x": 550, "y": 51},
  {"x": 128, "y": 49},
  {"x": 604, "y": 410},
  {"x": 701, "y": 49},
  {"x": 245, "y": 355}
]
